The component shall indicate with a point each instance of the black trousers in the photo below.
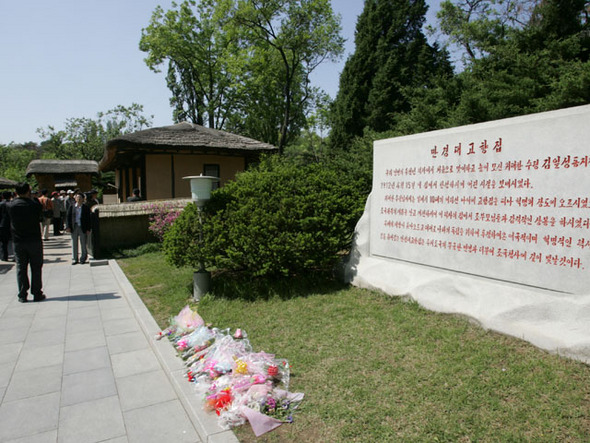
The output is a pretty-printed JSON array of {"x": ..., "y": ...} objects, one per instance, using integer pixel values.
[
  {"x": 29, "y": 253},
  {"x": 4, "y": 239},
  {"x": 57, "y": 226}
]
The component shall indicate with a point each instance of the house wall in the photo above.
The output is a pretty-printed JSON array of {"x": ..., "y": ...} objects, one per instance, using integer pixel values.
[
  {"x": 164, "y": 173},
  {"x": 158, "y": 170},
  {"x": 47, "y": 181},
  {"x": 84, "y": 182},
  {"x": 194, "y": 165}
]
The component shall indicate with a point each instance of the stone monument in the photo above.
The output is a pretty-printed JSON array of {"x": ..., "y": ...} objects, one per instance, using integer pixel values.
[{"x": 489, "y": 220}]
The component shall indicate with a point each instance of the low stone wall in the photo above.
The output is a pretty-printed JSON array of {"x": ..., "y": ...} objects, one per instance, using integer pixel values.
[{"x": 126, "y": 224}]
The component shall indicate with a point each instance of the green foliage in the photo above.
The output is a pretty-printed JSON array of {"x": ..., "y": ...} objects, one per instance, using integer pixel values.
[
  {"x": 260, "y": 113},
  {"x": 312, "y": 140},
  {"x": 476, "y": 27},
  {"x": 299, "y": 34},
  {"x": 182, "y": 245},
  {"x": 204, "y": 63},
  {"x": 146, "y": 248},
  {"x": 243, "y": 66},
  {"x": 431, "y": 108},
  {"x": 392, "y": 62},
  {"x": 137, "y": 251},
  {"x": 555, "y": 19},
  {"x": 570, "y": 86},
  {"x": 538, "y": 67},
  {"x": 518, "y": 57},
  {"x": 84, "y": 138},
  {"x": 15, "y": 158},
  {"x": 282, "y": 218}
]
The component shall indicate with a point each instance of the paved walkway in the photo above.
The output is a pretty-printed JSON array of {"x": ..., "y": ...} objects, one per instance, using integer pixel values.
[{"x": 82, "y": 366}]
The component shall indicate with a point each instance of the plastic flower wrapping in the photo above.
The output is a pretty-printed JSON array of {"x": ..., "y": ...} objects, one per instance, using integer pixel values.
[
  {"x": 186, "y": 321},
  {"x": 237, "y": 383}
]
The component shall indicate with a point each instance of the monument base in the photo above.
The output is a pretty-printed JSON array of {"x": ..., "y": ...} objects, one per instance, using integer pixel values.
[{"x": 553, "y": 321}]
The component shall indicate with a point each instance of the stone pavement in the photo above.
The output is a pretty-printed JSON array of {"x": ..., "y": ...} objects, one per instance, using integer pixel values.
[{"x": 82, "y": 366}]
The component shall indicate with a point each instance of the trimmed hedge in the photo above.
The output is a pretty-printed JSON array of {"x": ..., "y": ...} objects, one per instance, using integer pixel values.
[{"x": 281, "y": 218}]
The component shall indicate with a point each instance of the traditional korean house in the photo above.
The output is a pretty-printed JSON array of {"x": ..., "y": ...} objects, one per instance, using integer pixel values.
[
  {"x": 155, "y": 160},
  {"x": 6, "y": 183},
  {"x": 55, "y": 175}
]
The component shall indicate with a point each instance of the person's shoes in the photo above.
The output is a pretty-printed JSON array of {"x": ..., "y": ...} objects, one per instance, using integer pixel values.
[
  {"x": 39, "y": 297},
  {"x": 82, "y": 262},
  {"x": 74, "y": 262},
  {"x": 22, "y": 300}
]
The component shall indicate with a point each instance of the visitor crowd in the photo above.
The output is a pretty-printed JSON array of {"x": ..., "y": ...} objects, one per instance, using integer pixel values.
[{"x": 25, "y": 219}]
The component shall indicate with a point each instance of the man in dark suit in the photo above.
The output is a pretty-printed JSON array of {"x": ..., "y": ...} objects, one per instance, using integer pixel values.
[
  {"x": 25, "y": 214},
  {"x": 78, "y": 224},
  {"x": 5, "y": 224},
  {"x": 135, "y": 197}
]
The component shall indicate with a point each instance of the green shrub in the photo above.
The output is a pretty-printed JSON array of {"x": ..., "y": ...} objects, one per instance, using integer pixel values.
[
  {"x": 281, "y": 218},
  {"x": 181, "y": 243}
]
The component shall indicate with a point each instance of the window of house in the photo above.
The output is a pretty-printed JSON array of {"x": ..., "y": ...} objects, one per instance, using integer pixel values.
[{"x": 212, "y": 171}]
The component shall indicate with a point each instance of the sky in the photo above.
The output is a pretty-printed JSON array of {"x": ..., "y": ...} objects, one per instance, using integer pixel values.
[{"x": 75, "y": 58}]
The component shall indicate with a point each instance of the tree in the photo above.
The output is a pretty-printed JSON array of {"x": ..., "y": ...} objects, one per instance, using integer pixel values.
[
  {"x": 301, "y": 33},
  {"x": 84, "y": 138},
  {"x": 204, "y": 64},
  {"x": 259, "y": 109},
  {"x": 312, "y": 140},
  {"x": 15, "y": 158},
  {"x": 243, "y": 65},
  {"x": 532, "y": 65},
  {"x": 474, "y": 27},
  {"x": 391, "y": 62},
  {"x": 558, "y": 19}
]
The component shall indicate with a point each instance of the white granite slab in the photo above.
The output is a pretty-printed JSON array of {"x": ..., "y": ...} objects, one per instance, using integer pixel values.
[{"x": 535, "y": 285}]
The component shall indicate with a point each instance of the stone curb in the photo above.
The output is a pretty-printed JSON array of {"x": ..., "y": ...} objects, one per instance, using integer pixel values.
[{"x": 205, "y": 423}]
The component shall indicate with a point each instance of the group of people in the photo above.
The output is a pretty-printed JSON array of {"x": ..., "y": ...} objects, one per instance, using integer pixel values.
[
  {"x": 25, "y": 220},
  {"x": 55, "y": 209},
  {"x": 5, "y": 236}
]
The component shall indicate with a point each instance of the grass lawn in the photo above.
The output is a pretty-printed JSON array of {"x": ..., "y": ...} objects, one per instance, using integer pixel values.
[{"x": 376, "y": 368}]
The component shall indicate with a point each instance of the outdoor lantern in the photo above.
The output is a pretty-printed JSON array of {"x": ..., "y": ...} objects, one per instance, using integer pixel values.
[{"x": 201, "y": 186}]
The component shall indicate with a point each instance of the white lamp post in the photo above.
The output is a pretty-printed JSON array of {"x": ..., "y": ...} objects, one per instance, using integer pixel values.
[{"x": 201, "y": 186}]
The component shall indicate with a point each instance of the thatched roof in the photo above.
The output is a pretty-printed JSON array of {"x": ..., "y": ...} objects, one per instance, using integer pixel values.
[
  {"x": 62, "y": 167},
  {"x": 6, "y": 183},
  {"x": 182, "y": 137}
]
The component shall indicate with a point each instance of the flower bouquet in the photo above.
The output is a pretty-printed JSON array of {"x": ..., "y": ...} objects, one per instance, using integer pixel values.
[{"x": 238, "y": 384}]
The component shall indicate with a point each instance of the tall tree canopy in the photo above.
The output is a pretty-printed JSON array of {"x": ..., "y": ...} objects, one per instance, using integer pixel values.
[
  {"x": 204, "y": 65},
  {"x": 243, "y": 65},
  {"x": 518, "y": 57},
  {"x": 84, "y": 138},
  {"x": 392, "y": 60},
  {"x": 14, "y": 159},
  {"x": 533, "y": 57},
  {"x": 298, "y": 35}
]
